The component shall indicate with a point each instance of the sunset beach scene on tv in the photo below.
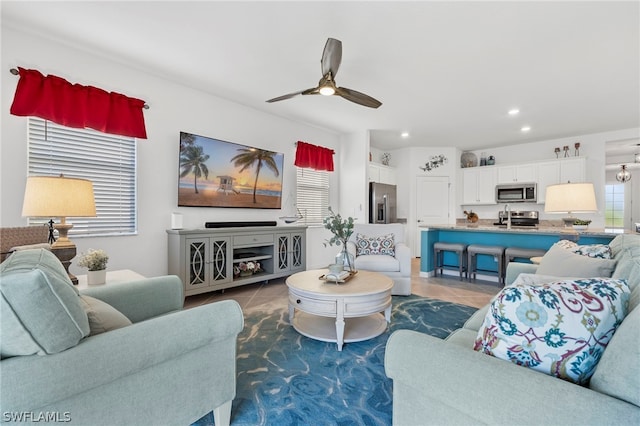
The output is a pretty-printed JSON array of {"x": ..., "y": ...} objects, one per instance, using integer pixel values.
[{"x": 215, "y": 173}]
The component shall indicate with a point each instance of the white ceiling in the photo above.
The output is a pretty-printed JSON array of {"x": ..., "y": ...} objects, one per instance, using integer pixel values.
[{"x": 447, "y": 72}]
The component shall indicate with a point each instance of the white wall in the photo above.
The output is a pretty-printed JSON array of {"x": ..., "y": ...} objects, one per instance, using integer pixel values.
[
  {"x": 407, "y": 162},
  {"x": 173, "y": 108}
]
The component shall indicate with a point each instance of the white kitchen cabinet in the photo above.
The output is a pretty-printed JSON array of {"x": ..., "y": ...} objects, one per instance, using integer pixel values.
[
  {"x": 382, "y": 174},
  {"x": 573, "y": 170},
  {"x": 559, "y": 171},
  {"x": 518, "y": 173},
  {"x": 479, "y": 185}
]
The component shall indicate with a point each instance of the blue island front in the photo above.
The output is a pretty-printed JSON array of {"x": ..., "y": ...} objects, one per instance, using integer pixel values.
[{"x": 525, "y": 238}]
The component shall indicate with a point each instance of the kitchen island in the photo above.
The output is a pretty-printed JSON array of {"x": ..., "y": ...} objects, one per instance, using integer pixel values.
[{"x": 526, "y": 237}]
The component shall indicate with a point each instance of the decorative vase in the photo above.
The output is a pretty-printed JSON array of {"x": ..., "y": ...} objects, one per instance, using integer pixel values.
[
  {"x": 97, "y": 277},
  {"x": 246, "y": 273},
  {"x": 345, "y": 258}
]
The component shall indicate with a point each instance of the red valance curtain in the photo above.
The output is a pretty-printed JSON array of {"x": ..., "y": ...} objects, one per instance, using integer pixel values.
[
  {"x": 72, "y": 105},
  {"x": 314, "y": 157}
]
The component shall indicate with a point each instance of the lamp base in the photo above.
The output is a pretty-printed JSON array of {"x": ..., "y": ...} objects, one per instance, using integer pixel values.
[
  {"x": 65, "y": 254},
  {"x": 568, "y": 221}
]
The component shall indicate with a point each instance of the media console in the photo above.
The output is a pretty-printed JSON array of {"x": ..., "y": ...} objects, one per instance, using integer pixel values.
[{"x": 205, "y": 258}]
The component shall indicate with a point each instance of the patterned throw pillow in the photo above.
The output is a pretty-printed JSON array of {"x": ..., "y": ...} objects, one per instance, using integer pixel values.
[
  {"x": 383, "y": 244},
  {"x": 599, "y": 251},
  {"x": 559, "y": 328}
]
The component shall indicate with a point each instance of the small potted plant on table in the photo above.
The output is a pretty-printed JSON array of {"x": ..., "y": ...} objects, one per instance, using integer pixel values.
[
  {"x": 581, "y": 225},
  {"x": 96, "y": 262}
]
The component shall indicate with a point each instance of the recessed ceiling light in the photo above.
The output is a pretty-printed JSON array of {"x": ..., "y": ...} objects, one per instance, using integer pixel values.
[
  {"x": 514, "y": 111},
  {"x": 404, "y": 134},
  {"x": 525, "y": 129}
]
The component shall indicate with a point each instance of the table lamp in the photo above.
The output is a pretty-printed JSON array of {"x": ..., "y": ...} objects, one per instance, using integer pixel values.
[
  {"x": 62, "y": 197},
  {"x": 570, "y": 198}
]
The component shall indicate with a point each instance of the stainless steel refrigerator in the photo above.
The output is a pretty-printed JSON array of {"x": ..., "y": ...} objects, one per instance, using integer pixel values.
[{"x": 382, "y": 203}]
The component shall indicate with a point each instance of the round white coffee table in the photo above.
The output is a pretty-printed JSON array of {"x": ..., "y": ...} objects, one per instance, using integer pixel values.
[{"x": 341, "y": 313}]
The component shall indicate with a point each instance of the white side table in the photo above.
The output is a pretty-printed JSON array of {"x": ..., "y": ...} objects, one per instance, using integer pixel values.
[{"x": 113, "y": 277}]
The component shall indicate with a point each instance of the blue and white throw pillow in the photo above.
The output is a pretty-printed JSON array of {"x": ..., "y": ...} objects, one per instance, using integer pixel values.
[
  {"x": 559, "y": 328},
  {"x": 383, "y": 244},
  {"x": 598, "y": 251}
]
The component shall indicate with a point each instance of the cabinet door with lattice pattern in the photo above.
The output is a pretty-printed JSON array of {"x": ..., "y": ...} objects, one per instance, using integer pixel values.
[{"x": 208, "y": 262}]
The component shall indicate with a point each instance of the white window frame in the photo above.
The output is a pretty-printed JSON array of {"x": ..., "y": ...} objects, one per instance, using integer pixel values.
[
  {"x": 108, "y": 161},
  {"x": 312, "y": 195},
  {"x": 614, "y": 206}
]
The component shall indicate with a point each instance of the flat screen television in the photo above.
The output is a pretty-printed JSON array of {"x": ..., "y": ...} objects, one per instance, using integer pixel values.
[{"x": 216, "y": 173}]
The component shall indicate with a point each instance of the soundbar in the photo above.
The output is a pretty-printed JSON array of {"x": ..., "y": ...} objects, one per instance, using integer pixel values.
[{"x": 239, "y": 224}]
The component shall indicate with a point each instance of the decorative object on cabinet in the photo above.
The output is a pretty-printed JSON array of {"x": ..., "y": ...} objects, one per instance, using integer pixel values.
[
  {"x": 491, "y": 160},
  {"x": 483, "y": 159},
  {"x": 60, "y": 196},
  {"x": 577, "y": 146},
  {"x": 241, "y": 176},
  {"x": 386, "y": 157},
  {"x": 204, "y": 259},
  {"x": 341, "y": 230},
  {"x": 570, "y": 198},
  {"x": 623, "y": 175},
  {"x": 566, "y": 150},
  {"x": 468, "y": 159},
  {"x": 435, "y": 162},
  {"x": 557, "y": 151}
]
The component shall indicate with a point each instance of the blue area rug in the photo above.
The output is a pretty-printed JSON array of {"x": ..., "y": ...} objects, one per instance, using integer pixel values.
[{"x": 285, "y": 378}]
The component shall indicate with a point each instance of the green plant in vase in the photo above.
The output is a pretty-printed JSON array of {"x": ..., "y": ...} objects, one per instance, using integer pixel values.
[{"x": 341, "y": 230}]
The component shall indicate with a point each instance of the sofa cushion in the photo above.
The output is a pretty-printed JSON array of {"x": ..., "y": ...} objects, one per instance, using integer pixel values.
[
  {"x": 599, "y": 251},
  {"x": 559, "y": 328},
  {"x": 102, "y": 316},
  {"x": 377, "y": 263},
  {"x": 382, "y": 244},
  {"x": 41, "y": 312},
  {"x": 618, "y": 372},
  {"x": 560, "y": 262}
]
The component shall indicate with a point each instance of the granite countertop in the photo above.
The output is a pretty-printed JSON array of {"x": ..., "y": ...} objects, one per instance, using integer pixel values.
[{"x": 522, "y": 229}]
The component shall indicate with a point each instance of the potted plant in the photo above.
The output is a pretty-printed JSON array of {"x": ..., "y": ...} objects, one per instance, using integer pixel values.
[
  {"x": 96, "y": 262},
  {"x": 581, "y": 225},
  {"x": 246, "y": 269},
  {"x": 341, "y": 230}
]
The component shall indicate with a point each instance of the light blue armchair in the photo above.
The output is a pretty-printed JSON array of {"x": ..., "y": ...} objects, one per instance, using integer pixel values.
[{"x": 167, "y": 366}]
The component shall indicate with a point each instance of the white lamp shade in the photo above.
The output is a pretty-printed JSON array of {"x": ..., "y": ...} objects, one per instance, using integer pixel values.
[
  {"x": 58, "y": 196},
  {"x": 570, "y": 198}
]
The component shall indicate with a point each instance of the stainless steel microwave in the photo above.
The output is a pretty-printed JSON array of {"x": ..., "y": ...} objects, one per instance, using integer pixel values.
[{"x": 517, "y": 193}]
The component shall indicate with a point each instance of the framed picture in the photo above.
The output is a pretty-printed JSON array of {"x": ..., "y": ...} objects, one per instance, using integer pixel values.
[{"x": 216, "y": 173}]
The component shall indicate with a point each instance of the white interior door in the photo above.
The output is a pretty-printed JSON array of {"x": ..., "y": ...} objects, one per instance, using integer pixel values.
[{"x": 432, "y": 204}]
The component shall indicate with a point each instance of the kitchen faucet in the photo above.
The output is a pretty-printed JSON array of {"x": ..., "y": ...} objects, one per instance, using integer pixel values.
[{"x": 507, "y": 210}]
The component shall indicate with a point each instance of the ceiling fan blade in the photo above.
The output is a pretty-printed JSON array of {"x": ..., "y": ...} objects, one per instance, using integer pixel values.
[
  {"x": 331, "y": 56},
  {"x": 291, "y": 95},
  {"x": 357, "y": 97}
]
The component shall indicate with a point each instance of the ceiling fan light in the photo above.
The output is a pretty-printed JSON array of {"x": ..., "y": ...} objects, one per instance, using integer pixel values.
[
  {"x": 623, "y": 175},
  {"x": 327, "y": 90}
]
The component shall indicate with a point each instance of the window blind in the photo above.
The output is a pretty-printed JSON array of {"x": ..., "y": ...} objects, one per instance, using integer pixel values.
[
  {"x": 109, "y": 161},
  {"x": 312, "y": 194}
]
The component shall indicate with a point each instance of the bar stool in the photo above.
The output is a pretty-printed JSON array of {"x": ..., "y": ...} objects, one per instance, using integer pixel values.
[
  {"x": 496, "y": 251},
  {"x": 438, "y": 256},
  {"x": 511, "y": 253}
]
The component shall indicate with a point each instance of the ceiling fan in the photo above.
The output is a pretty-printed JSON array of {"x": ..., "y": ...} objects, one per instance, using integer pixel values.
[{"x": 331, "y": 58}]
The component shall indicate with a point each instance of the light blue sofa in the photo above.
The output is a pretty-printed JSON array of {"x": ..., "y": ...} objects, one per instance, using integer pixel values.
[
  {"x": 170, "y": 366},
  {"x": 446, "y": 382}
]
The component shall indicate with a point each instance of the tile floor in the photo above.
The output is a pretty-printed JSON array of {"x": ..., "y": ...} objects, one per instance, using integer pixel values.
[{"x": 450, "y": 288}]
